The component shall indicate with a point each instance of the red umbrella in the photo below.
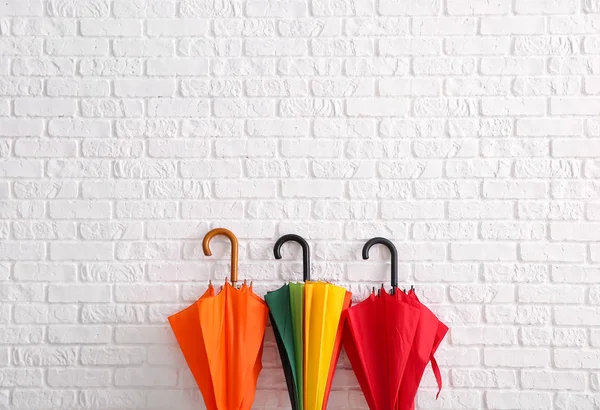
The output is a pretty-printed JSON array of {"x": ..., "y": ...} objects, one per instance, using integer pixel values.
[
  {"x": 378, "y": 338},
  {"x": 429, "y": 334}
]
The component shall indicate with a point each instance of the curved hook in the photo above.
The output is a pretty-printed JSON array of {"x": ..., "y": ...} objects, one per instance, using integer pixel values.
[
  {"x": 234, "y": 249},
  {"x": 393, "y": 254},
  {"x": 305, "y": 252}
]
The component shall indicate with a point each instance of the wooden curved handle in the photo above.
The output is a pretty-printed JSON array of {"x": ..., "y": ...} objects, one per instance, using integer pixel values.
[{"x": 234, "y": 249}]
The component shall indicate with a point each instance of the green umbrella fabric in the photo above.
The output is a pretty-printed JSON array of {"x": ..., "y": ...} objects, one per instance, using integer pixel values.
[
  {"x": 286, "y": 305},
  {"x": 280, "y": 313},
  {"x": 297, "y": 310}
]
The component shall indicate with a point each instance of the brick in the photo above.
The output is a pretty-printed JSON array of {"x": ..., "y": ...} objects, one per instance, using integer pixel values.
[
  {"x": 513, "y": 25},
  {"x": 484, "y": 252},
  {"x": 312, "y": 189},
  {"x": 112, "y": 108},
  {"x": 70, "y": 87},
  {"x": 146, "y": 293},
  {"x": 81, "y": 251},
  {"x": 45, "y": 356},
  {"x": 63, "y": 334},
  {"x": 444, "y": 25},
  {"x": 79, "y": 377},
  {"x": 43, "y": 148},
  {"x": 546, "y": 6},
  {"x": 20, "y": 127},
  {"x": 144, "y": 88},
  {"x": 140, "y": 8},
  {"x": 33, "y": 26},
  {"x": 76, "y": 47},
  {"x": 548, "y": 252},
  {"x": 183, "y": 28},
  {"x": 238, "y": 189},
  {"x": 44, "y": 230},
  {"x": 514, "y": 189},
  {"x": 146, "y": 251},
  {"x": 17, "y": 251},
  {"x": 45, "y": 107},
  {"x": 524, "y": 358},
  {"x": 483, "y": 378},
  {"x": 120, "y": 313},
  {"x": 80, "y": 8},
  {"x": 176, "y": 67},
  {"x": 467, "y": 7},
  {"x": 547, "y": 169},
  {"x": 144, "y": 377},
  {"x": 21, "y": 8},
  {"x": 576, "y": 358},
  {"x": 20, "y": 46},
  {"x": 550, "y": 294},
  {"x": 178, "y": 108},
  {"x": 108, "y": 67},
  {"x": 522, "y": 400},
  {"x": 178, "y": 148},
  {"x": 111, "y": 28},
  {"x": 155, "y": 47}
]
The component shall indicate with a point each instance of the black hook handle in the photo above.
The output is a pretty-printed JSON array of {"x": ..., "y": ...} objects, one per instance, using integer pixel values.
[
  {"x": 305, "y": 252},
  {"x": 393, "y": 254}
]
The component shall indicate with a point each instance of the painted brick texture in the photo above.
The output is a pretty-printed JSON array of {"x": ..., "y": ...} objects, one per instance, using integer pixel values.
[{"x": 466, "y": 131}]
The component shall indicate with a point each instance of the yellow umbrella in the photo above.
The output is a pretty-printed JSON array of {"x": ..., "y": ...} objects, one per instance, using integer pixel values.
[{"x": 324, "y": 305}]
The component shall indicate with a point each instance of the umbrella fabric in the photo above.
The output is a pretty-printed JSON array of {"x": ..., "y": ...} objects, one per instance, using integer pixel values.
[
  {"x": 221, "y": 338},
  {"x": 429, "y": 334},
  {"x": 280, "y": 313},
  {"x": 323, "y": 319},
  {"x": 337, "y": 348},
  {"x": 297, "y": 311},
  {"x": 378, "y": 339},
  {"x": 323, "y": 305},
  {"x": 186, "y": 326}
]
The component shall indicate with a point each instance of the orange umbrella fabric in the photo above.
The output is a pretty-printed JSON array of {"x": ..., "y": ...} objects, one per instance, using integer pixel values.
[{"x": 221, "y": 337}]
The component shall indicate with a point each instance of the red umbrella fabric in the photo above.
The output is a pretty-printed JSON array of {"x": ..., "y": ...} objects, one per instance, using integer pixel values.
[
  {"x": 389, "y": 339},
  {"x": 378, "y": 340},
  {"x": 428, "y": 337}
]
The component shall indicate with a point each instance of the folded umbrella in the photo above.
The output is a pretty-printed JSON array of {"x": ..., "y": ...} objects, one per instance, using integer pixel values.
[
  {"x": 286, "y": 311},
  {"x": 378, "y": 338},
  {"x": 429, "y": 334},
  {"x": 221, "y": 337},
  {"x": 324, "y": 306},
  {"x": 307, "y": 320}
]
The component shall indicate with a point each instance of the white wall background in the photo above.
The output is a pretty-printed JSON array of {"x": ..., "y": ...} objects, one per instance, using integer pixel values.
[{"x": 465, "y": 130}]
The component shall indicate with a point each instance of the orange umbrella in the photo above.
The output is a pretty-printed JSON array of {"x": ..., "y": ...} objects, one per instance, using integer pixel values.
[{"x": 221, "y": 337}]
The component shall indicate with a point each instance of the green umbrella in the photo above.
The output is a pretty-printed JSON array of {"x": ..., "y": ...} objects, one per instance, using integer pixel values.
[{"x": 286, "y": 307}]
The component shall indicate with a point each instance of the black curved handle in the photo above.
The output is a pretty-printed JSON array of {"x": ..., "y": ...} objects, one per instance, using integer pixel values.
[
  {"x": 305, "y": 252},
  {"x": 393, "y": 254}
]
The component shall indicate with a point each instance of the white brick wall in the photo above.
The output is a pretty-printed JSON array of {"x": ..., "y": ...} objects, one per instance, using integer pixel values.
[{"x": 466, "y": 131}]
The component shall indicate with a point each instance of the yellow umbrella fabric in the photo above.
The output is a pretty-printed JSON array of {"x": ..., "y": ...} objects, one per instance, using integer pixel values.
[{"x": 323, "y": 306}]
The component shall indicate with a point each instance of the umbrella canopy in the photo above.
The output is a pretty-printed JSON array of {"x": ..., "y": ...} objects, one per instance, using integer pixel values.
[
  {"x": 429, "y": 334},
  {"x": 221, "y": 337},
  {"x": 325, "y": 305},
  {"x": 307, "y": 319},
  {"x": 389, "y": 339},
  {"x": 378, "y": 339},
  {"x": 286, "y": 307}
]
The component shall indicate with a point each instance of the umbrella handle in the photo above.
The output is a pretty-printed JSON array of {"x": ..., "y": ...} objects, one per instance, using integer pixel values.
[
  {"x": 234, "y": 249},
  {"x": 305, "y": 252},
  {"x": 393, "y": 255}
]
